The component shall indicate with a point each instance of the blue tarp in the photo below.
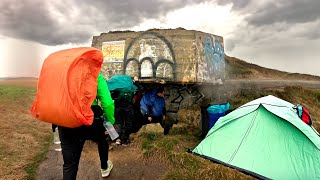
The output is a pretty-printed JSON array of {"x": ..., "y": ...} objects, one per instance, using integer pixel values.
[{"x": 216, "y": 111}]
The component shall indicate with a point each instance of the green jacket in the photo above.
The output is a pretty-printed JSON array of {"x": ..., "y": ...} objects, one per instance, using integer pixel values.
[{"x": 103, "y": 95}]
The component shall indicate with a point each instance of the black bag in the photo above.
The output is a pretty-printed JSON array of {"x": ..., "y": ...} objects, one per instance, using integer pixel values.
[
  {"x": 97, "y": 111},
  {"x": 204, "y": 121}
]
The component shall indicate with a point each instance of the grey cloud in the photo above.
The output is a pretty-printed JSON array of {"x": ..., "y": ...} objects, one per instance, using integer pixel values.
[
  {"x": 20, "y": 20},
  {"x": 60, "y": 22},
  {"x": 229, "y": 45},
  {"x": 266, "y": 19},
  {"x": 309, "y": 30},
  {"x": 236, "y": 4},
  {"x": 32, "y": 21},
  {"x": 281, "y": 15},
  {"x": 314, "y": 35},
  {"x": 275, "y": 11},
  {"x": 289, "y": 11}
]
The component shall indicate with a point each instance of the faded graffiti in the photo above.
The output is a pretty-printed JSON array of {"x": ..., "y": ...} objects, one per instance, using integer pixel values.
[
  {"x": 113, "y": 51},
  {"x": 113, "y": 55},
  {"x": 108, "y": 69},
  {"x": 178, "y": 96},
  {"x": 146, "y": 68},
  {"x": 150, "y": 56},
  {"x": 214, "y": 57},
  {"x": 147, "y": 50},
  {"x": 218, "y": 58},
  {"x": 164, "y": 70},
  {"x": 132, "y": 68}
]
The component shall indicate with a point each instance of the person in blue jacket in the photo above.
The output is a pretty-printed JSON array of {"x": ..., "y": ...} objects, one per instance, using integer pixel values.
[{"x": 153, "y": 108}]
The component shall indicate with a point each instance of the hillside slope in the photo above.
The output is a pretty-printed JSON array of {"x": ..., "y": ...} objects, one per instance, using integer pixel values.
[{"x": 239, "y": 69}]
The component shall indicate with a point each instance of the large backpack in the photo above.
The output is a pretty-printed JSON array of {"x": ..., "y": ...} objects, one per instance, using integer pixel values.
[
  {"x": 122, "y": 96},
  {"x": 121, "y": 88},
  {"x": 304, "y": 114},
  {"x": 67, "y": 87}
]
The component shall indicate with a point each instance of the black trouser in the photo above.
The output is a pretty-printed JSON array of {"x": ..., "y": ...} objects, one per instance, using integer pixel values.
[
  {"x": 72, "y": 141},
  {"x": 124, "y": 116},
  {"x": 137, "y": 118}
]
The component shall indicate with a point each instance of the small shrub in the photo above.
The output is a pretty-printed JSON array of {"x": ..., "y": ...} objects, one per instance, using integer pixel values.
[{"x": 318, "y": 95}]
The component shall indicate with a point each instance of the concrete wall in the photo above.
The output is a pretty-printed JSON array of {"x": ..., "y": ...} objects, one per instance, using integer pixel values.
[{"x": 176, "y": 55}]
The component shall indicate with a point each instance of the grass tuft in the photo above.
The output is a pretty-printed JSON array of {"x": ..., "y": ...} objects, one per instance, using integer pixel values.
[{"x": 33, "y": 165}]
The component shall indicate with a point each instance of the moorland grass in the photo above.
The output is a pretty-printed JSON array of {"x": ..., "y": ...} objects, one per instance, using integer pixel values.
[{"x": 24, "y": 140}]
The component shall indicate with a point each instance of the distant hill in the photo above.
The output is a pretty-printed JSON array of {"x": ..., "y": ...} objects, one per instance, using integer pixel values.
[
  {"x": 19, "y": 81},
  {"x": 18, "y": 78},
  {"x": 239, "y": 69}
]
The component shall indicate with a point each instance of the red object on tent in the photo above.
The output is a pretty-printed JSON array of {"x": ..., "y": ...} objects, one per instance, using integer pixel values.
[{"x": 67, "y": 86}]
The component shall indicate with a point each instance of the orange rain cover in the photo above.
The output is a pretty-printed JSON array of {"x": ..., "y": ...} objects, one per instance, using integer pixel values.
[{"x": 67, "y": 86}]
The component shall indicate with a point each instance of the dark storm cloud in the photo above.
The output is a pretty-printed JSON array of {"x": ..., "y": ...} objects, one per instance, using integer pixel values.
[
  {"x": 60, "y": 22},
  {"x": 129, "y": 13},
  {"x": 288, "y": 11},
  {"x": 31, "y": 20},
  {"x": 273, "y": 11},
  {"x": 265, "y": 19}
]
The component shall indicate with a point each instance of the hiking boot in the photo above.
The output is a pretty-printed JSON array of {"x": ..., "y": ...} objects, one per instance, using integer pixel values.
[
  {"x": 125, "y": 142},
  {"x": 166, "y": 131},
  {"x": 57, "y": 142},
  {"x": 58, "y": 149},
  {"x": 106, "y": 172}
]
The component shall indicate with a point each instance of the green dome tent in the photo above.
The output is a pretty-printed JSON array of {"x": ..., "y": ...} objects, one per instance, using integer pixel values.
[{"x": 264, "y": 138}]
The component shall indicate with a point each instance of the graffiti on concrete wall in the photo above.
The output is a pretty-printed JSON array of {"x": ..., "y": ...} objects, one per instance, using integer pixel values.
[
  {"x": 218, "y": 58},
  {"x": 213, "y": 64},
  {"x": 108, "y": 69},
  {"x": 179, "y": 96},
  {"x": 150, "y": 56},
  {"x": 113, "y": 51}
]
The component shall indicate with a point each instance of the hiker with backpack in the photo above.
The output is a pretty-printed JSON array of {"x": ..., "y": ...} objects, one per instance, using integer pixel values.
[
  {"x": 124, "y": 116},
  {"x": 137, "y": 96},
  {"x": 122, "y": 90},
  {"x": 69, "y": 87},
  {"x": 73, "y": 139},
  {"x": 153, "y": 108}
]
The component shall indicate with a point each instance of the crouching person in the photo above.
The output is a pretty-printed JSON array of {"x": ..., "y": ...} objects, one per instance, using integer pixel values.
[
  {"x": 153, "y": 108},
  {"x": 124, "y": 116}
]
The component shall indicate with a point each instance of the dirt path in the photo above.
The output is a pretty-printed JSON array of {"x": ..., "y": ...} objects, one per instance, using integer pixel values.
[{"x": 127, "y": 161}]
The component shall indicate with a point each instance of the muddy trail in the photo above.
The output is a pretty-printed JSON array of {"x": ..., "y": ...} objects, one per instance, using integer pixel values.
[{"x": 127, "y": 164}]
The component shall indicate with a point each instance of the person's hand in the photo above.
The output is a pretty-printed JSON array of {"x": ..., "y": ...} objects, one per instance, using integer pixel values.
[
  {"x": 150, "y": 119},
  {"x": 135, "y": 78}
]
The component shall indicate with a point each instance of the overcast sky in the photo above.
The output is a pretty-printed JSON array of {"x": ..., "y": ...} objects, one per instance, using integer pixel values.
[{"x": 279, "y": 34}]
